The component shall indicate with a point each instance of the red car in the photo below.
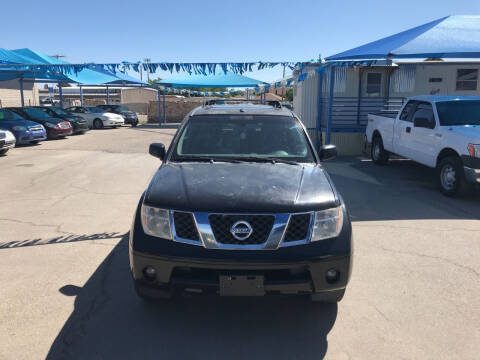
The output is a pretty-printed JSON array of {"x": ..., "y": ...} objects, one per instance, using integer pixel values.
[{"x": 55, "y": 127}]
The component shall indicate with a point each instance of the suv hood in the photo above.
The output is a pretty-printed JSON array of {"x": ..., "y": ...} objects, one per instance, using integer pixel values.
[
  {"x": 240, "y": 188},
  {"x": 471, "y": 132}
]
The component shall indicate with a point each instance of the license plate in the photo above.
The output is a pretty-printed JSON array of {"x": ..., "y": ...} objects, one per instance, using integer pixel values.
[{"x": 242, "y": 285}]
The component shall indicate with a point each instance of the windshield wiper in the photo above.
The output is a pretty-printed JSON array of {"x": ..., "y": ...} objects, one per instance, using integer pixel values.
[
  {"x": 265, "y": 160},
  {"x": 206, "y": 159}
]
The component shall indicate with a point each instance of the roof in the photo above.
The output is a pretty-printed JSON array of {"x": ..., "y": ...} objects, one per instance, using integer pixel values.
[
  {"x": 455, "y": 36},
  {"x": 241, "y": 109},
  {"x": 210, "y": 81},
  {"x": 438, "y": 98}
]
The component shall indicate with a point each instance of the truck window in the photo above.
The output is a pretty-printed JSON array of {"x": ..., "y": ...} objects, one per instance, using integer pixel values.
[
  {"x": 374, "y": 83},
  {"x": 424, "y": 110},
  {"x": 407, "y": 111},
  {"x": 467, "y": 79}
]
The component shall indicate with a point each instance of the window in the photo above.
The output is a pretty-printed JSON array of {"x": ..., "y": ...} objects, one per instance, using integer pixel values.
[
  {"x": 407, "y": 110},
  {"x": 425, "y": 111},
  {"x": 451, "y": 113},
  {"x": 467, "y": 79},
  {"x": 374, "y": 82}
]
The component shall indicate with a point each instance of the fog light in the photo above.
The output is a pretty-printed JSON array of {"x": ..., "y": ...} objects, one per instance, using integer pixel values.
[
  {"x": 150, "y": 272},
  {"x": 332, "y": 276}
]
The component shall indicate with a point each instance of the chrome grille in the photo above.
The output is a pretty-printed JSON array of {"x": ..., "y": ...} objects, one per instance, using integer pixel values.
[
  {"x": 298, "y": 227},
  {"x": 185, "y": 227},
  {"x": 222, "y": 223}
]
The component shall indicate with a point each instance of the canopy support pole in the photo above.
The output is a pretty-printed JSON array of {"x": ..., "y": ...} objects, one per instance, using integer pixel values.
[
  {"x": 60, "y": 94},
  {"x": 330, "y": 105},
  {"x": 319, "y": 110},
  {"x": 22, "y": 99},
  {"x": 108, "y": 96},
  {"x": 81, "y": 95},
  {"x": 359, "y": 95},
  {"x": 164, "y": 109},
  {"x": 159, "y": 106}
]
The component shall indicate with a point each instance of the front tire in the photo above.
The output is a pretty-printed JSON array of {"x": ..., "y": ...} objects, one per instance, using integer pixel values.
[
  {"x": 97, "y": 124},
  {"x": 451, "y": 177},
  {"x": 378, "y": 153},
  {"x": 3, "y": 151}
]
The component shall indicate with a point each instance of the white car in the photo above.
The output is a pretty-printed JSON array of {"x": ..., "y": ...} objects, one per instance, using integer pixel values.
[
  {"x": 439, "y": 131},
  {"x": 7, "y": 141},
  {"x": 96, "y": 117}
]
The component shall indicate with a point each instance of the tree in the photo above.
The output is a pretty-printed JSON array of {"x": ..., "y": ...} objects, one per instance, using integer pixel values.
[{"x": 289, "y": 95}]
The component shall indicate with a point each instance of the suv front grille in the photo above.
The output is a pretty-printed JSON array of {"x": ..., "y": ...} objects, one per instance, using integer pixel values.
[
  {"x": 185, "y": 225},
  {"x": 261, "y": 226},
  {"x": 298, "y": 227}
]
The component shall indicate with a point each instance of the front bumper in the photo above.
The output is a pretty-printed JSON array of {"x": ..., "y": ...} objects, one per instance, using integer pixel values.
[
  {"x": 58, "y": 133},
  {"x": 27, "y": 137},
  {"x": 7, "y": 144},
  {"x": 111, "y": 122},
  {"x": 79, "y": 128},
  {"x": 471, "y": 166},
  {"x": 130, "y": 120}
]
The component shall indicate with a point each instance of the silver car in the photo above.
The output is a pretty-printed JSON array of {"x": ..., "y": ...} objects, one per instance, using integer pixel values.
[{"x": 7, "y": 141}]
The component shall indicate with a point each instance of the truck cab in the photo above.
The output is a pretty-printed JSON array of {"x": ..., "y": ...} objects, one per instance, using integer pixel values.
[{"x": 441, "y": 132}]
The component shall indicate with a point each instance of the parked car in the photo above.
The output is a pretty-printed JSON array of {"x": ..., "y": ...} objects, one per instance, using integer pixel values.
[
  {"x": 96, "y": 117},
  {"x": 129, "y": 115},
  {"x": 79, "y": 124},
  {"x": 25, "y": 131},
  {"x": 438, "y": 131},
  {"x": 7, "y": 141},
  {"x": 56, "y": 127},
  {"x": 241, "y": 205}
]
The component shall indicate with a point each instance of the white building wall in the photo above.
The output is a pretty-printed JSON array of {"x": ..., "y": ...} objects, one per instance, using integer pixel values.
[{"x": 10, "y": 93}]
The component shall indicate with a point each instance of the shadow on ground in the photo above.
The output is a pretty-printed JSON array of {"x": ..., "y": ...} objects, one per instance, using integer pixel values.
[
  {"x": 401, "y": 190},
  {"x": 60, "y": 239},
  {"x": 110, "y": 322}
]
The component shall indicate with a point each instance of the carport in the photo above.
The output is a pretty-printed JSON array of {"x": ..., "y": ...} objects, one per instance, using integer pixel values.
[{"x": 217, "y": 80}]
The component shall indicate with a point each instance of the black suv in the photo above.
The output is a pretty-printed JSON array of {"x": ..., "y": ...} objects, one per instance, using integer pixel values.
[
  {"x": 129, "y": 115},
  {"x": 241, "y": 206}
]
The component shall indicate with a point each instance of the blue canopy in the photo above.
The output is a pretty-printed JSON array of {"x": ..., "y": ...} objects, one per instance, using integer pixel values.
[
  {"x": 218, "y": 80},
  {"x": 449, "y": 37}
]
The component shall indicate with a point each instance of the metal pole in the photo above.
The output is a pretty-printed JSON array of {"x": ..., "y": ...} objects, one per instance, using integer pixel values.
[
  {"x": 330, "y": 104},
  {"x": 108, "y": 96},
  {"x": 164, "y": 109},
  {"x": 60, "y": 94},
  {"x": 81, "y": 95},
  {"x": 359, "y": 96},
  {"x": 319, "y": 109},
  {"x": 159, "y": 108},
  {"x": 22, "y": 100}
]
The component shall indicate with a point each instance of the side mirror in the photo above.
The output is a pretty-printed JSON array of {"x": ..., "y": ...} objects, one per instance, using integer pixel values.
[
  {"x": 423, "y": 123},
  {"x": 327, "y": 152},
  {"x": 157, "y": 150}
]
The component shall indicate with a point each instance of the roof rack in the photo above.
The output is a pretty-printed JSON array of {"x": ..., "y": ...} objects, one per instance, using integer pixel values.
[{"x": 275, "y": 103}]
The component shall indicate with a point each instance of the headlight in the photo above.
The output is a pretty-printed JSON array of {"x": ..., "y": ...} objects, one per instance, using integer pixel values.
[
  {"x": 19, "y": 128},
  {"x": 328, "y": 223},
  {"x": 156, "y": 222},
  {"x": 50, "y": 125},
  {"x": 474, "y": 150}
]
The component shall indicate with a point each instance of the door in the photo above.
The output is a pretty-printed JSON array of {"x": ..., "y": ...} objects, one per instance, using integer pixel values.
[
  {"x": 425, "y": 138},
  {"x": 402, "y": 132}
]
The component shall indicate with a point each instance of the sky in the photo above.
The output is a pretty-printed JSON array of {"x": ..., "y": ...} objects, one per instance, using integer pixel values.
[{"x": 211, "y": 31}]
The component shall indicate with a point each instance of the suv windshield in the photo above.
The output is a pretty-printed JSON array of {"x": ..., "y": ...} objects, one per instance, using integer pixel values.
[
  {"x": 55, "y": 111},
  {"x": 453, "y": 113},
  {"x": 9, "y": 115},
  {"x": 119, "y": 108},
  {"x": 243, "y": 137},
  {"x": 36, "y": 113}
]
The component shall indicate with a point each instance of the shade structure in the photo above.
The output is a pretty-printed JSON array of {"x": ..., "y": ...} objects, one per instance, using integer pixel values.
[
  {"x": 455, "y": 36},
  {"x": 210, "y": 81}
]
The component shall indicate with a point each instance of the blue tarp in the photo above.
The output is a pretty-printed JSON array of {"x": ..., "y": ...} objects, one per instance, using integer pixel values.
[
  {"x": 210, "y": 81},
  {"x": 449, "y": 37}
]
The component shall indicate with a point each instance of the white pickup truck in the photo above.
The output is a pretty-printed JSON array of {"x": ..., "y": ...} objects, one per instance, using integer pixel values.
[{"x": 439, "y": 131}]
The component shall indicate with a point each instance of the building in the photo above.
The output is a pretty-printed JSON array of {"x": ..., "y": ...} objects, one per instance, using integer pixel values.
[
  {"x": 10, "y": 93},
  {"x": 361, "y": 81}
]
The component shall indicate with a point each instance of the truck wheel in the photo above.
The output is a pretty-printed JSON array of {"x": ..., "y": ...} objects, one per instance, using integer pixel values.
[
  {"x": 451, "y": 178},
  {"x": 328, "y": 297},
  {"x": 378, "y": 154},
  {"x": 98, "y": 124}
]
